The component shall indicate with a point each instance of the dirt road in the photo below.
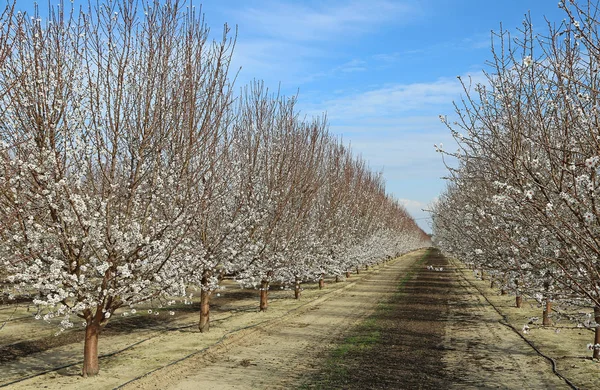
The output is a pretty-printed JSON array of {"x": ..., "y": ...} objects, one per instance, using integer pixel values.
[
  {"x": 482, "y": 352},
  {"x": 435, "y": 333},
  {"x": 438, "y": 333},
  {"x": 427, "y": 327},
  {"x": 277, "y": 355}
]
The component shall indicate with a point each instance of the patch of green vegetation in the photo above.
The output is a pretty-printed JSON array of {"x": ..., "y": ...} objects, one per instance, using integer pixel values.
[
  {"x": 411, "y": 273},
  {"x": 335, "y": 372},
  {"x": 338, "y": 365},
  {"x": 367, "y": 334}
]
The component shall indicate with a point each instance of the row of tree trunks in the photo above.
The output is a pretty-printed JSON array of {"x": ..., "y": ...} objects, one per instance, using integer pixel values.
[
  {"x": 264, "y": 293},
  {"x": 546, "y": 321}
]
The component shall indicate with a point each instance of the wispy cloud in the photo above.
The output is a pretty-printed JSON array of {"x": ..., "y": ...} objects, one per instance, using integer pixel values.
[
  {"x": 285, "y": 40},
  {"x": 319, "y": 21},
  {"x": 396, "y": 100},
  {"x": 418, "y": 211},
  {"x": 404, "y": 156},
  {"x": 478, "y": 41},
  {"x": 352, "y": 66}
]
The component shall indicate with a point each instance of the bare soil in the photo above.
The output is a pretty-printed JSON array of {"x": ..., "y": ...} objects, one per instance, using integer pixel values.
[
  {"x": 401, "y": 325},
  {"x": 239, "y": 337},
  {"x": 278, "y": 355},
  {"x": 433, "y": 334}
]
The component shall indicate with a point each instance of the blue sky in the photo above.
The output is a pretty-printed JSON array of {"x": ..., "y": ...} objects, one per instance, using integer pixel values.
[{"x": 383, "y": 70}]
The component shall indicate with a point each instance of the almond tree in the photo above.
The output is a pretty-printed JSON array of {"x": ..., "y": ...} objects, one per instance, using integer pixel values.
[
  {"x": 533, "y": 131},
  {"x": 105, "y": 132}
]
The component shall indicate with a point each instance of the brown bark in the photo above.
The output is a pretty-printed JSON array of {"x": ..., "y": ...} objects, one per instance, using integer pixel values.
[
  {"x": 205, "y": 293},
  {"x": 204, "y": 323},
  {"x": 347, "y": 275},
  {"x": 482, "y": 275},
  {"x": 297, "y": 290},
  {"x": 545, "y": 314},
  {"x": 264, "y": 292},
  {"x": 492, "y": 283},
  {"x": 321, "y": 282},
  {"x": 337, "y": 278},
  {"x": 596, "y": 354},
  {"x": 366, "y": 267},
  {"x": 264, "y": 295},
  {"x": 357, "y": 271},
  {"x": 90, "y": 349},
  {"x": 519, "y": 301},
  {"x": 503, "y": 291}
]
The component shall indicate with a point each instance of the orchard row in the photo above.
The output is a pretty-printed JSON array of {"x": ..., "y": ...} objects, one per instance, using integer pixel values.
[
  {"x": 522, "y": 203},
  {"x": 130, "y": 170}
]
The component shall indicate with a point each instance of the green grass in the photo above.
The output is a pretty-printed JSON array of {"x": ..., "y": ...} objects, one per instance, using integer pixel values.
[
  {"x": 337, "y": 366},
  {"x": 366, "y": 335}
]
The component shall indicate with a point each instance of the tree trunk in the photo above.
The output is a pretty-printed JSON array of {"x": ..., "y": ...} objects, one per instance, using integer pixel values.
[
  {"x": 205, "y": 293},
  {"x": 366, "y": 267},
  {"x": 297, "y": 291},
  {"x": 347, "y": 275},
  {"x": 545, "y": 314},
  {"x": 482, "y": 275},
  {"x": 357, "y": 271},
  {"x": 503, "y": 291},
  {"x": 204, "y": 324},
  {"x": 321, "y": 282},
  {"x": 264, "y": 292},
  {"x": 519, "y": 301},
  {"x": 264, "y": 295},
  {"x": 337, "y": 278},
  {"x": 90, "y": 350},
  {"x": 596, "y": 354}
]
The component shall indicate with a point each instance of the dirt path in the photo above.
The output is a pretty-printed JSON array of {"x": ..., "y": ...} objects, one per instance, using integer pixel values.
[
  {"x": 484, "y": 353},
  {"x": 426, "y": 328},
  {"x": 276, "y": 355},
  {"x": 437, "y": 333}
]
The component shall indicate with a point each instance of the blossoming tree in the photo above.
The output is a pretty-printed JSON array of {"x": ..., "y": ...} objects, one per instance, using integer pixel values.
[
  {"x": 530, "y": 134},
  {"x": 102, "y": 160}
]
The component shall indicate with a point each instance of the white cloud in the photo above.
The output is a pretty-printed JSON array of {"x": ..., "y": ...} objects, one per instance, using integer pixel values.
[
  {"x": 412, "y": 205},
  {"x": 320, "y": 21},
  {"x": 416, "y": 209},
  {"x": 281, "y": 40},
  {"x": 394, "y": 128},
  {"x": 264, "y": 59},
  {"x": 396, "y": 100},
  {"x": 355, "y": 65}
]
